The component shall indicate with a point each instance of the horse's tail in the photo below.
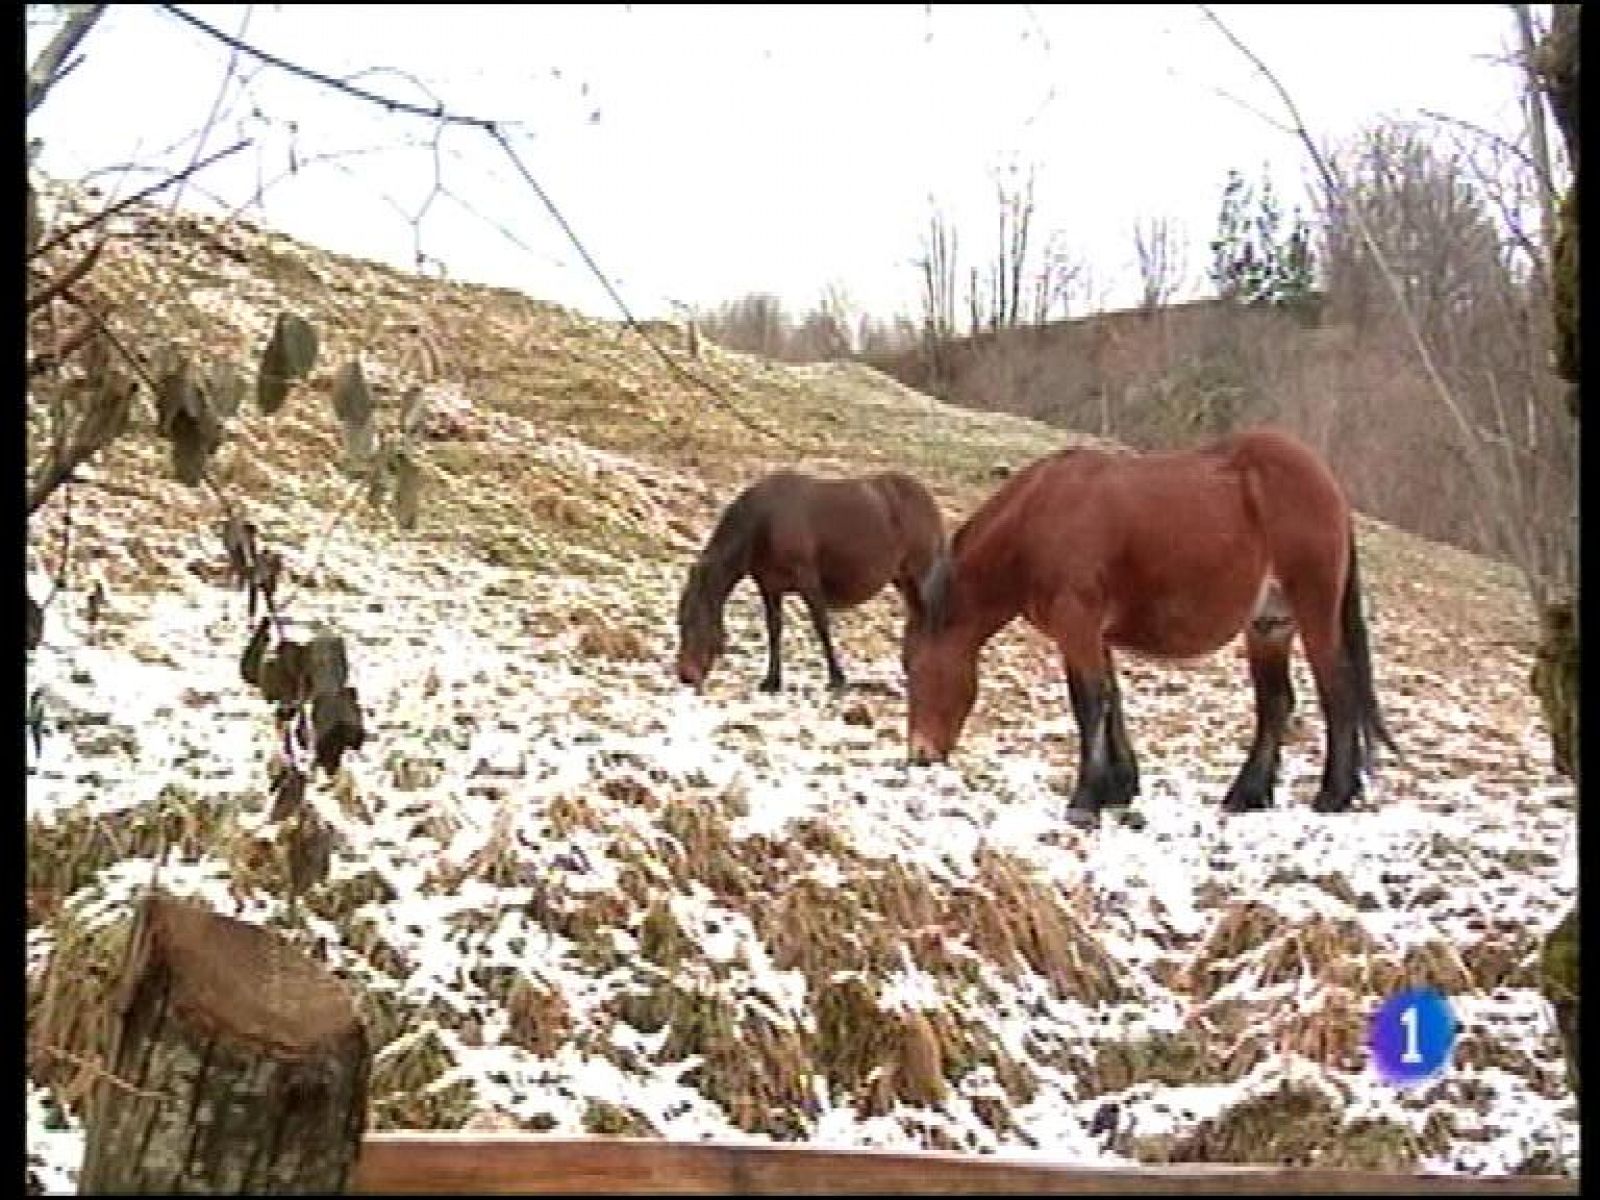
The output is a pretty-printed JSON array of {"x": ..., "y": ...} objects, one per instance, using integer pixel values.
[{"x": 1358, "y": 657}]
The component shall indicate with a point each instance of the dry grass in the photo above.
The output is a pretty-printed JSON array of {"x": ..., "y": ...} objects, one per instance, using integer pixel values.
[
  {"x": 65, "y": 1009},
  {"x": 661, "y": 939},
  {"x": 617, "y": 643},
  {"x": 820, "y": 930},
  {"x": 540, "y": 1018},
  {"x": 757, "y": 1071},
  {"x": 71, "y": 849},
  {"x": 701, "y": 847},
  {"x": 1334, "y": 1034},
  {"x": 567, "y": 813},
  {"x": 1497, "y": 961},
  {"x": 1316, "y": 948},
  {"x": 1178, "y": 1059},
  {"x": 1015, "y": 921},
  {"x": 1242, "y": 928},
  {"x": 1292, "y": 1126}
]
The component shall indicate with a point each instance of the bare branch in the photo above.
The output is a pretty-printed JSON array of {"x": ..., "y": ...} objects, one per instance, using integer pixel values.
[
  {"x": 107, "y": 213},
  {"x": 1487, "y": 135},
  {"x": 47, "y": 70},
  {"x": 68, "y": 278},
  {"x": 496, "y": 130},
  {"x": 436, "y": 113},
  {"x": 1470, "y": 443}
]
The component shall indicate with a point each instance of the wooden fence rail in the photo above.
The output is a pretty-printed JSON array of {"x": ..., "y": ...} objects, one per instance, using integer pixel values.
[{"x": 530, "y": 1164}]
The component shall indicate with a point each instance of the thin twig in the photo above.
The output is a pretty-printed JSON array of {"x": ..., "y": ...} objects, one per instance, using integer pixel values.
[
  {"x": 216, "y": 107},
  {"x": 252, "y": 557},
  {"x": 673, "y": 364},
  {"x": 436, "y": 113},
  {"x": 105, "y": 214},
  {"x": 98, "y": 1071},
  {"x": 67, "y": 278},
  {"x": 1487, "y": 135},
  {"x": 357, "y": 487},
  {"x": 66, "y": 551}
]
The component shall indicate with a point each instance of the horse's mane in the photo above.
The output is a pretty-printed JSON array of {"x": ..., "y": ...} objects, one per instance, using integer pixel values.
[{"x": 935, "y": 589}]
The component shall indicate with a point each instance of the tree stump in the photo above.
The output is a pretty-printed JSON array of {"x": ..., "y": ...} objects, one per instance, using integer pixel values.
[
  {"x": 1559, "y": 981},
  {"x": 234, "y": 1064}
]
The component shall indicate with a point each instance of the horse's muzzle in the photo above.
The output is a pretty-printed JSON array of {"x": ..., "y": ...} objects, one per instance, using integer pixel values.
[{"x": 691, "y": 676}]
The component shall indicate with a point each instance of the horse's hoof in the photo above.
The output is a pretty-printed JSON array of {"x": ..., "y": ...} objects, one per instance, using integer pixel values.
[
  {"x": 771, "y": 685},
  {"x": 1243, "y": 800},
  {"x": 1121, "y": 796},
  {"x": 1330, "y": 802},
  {"x": 837, "y": 684},
  {"x": 1083, "y": 818}
]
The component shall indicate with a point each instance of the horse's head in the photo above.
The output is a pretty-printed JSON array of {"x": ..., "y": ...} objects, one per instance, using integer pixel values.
[
  {"x": 701, "y": 637},
  {"x": 941, "y": 665}
]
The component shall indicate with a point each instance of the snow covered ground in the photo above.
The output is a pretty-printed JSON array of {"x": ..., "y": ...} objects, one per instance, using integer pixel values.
[{"x": 534, "y": 808}]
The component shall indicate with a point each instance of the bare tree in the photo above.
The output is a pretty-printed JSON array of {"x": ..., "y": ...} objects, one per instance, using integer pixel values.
[
  {"x": 824, "y": 333},
  {"x": 1481, "y": 313},
  {"x": 938, "y": 266},
  {"x": 1532, "y": 103},
  {"x": 753, "y": 324},
  {"x": 1162, "y": 252},
  {"x": 1015, "y": 214},
  {"x": 1055, "y": 280}
]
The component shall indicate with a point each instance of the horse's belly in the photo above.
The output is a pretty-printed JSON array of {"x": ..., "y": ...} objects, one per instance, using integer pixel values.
[
  {"x": 1177, "y": 626},
  {"x": 851, "y": 579},
  {"x": 849, "y": 589}
]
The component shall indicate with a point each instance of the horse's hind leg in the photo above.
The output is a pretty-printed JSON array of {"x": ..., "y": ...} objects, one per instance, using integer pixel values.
[
  {"x": 1096, "y": 788},
  {"x": 818, "y": 609},
  {"x": 772, "y": 606},
  {"x": 1316, "y": 611},
  {"x": 1267, "y": 643}
]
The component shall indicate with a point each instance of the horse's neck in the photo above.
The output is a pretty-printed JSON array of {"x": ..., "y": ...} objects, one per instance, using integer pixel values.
[
  {"x": 724, "y": 563},
  {"x": 986, "y": 601},
  {"x": 989, "y": 584}
]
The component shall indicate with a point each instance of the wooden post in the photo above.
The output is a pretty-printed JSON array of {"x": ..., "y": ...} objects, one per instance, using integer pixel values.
[{"x": 234, "y": 1064}]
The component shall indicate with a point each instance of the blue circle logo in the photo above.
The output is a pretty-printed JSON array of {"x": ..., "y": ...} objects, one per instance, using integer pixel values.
[{"x": 1411, "y": 1036}]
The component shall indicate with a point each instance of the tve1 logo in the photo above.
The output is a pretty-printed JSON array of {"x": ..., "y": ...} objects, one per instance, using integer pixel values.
[{"x": 1411, "y": 1036}]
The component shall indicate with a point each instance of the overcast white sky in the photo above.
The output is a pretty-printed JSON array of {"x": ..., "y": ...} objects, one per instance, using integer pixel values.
[{"x": 704, "y": 152}]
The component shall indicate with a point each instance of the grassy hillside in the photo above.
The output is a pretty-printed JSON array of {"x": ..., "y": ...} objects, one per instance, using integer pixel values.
[{"x": 576, "y": 897}]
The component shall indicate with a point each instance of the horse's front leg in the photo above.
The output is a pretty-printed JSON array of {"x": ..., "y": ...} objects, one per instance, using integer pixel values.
[
  {"x": 1123, "y": 765},
  {"x": 1092, "y": 692},
  {"x": 772, "y": 606},
  {"x": 818, "y": 609}
]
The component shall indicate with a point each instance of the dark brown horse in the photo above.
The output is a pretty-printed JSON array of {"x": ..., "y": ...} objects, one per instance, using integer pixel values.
[
  {"x": 1167, "y": 556},
  {"x": 838, "y": 542}
]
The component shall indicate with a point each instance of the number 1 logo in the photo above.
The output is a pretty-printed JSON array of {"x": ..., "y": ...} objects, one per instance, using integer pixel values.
[{"x": 1411, "y": 1036}]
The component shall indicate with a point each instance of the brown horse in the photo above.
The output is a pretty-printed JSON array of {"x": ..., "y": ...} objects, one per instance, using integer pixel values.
[
  {"x": 837, "y": 542},
  {"x": 1167, "y": 556}
]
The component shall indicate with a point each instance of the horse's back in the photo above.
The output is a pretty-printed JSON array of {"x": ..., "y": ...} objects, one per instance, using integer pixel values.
[
  {"x": 1293, "y": 492},
  {"x": 912, "y": 501}
]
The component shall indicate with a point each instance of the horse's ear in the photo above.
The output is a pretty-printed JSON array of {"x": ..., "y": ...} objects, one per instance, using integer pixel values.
[{"x": 934, "y": 591}]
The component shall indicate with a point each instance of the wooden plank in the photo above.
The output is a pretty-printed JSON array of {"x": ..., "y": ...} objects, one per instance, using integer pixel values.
[{"x": 530, "y": 1164}]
